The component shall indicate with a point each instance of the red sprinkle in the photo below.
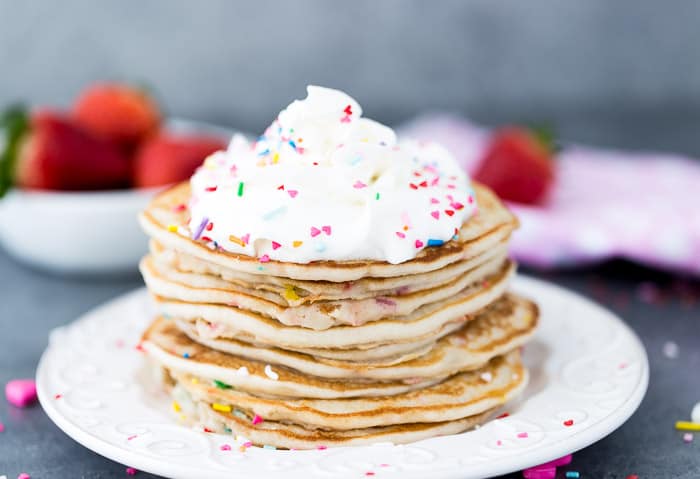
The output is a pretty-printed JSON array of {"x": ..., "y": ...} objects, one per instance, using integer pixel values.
[
  {"x": 505, "y": 414},
  {"x": 206, "y": 239},
  {"x": 321, "y": 448},
  {"x": 210, "y": 188},
  {"x": 348, "y": 110},
  {"x": 280, "y": 187},
  {"x": 413, "y": 186},
  {"x": 206, "y": 429},
  {"x": 210, "y": 227},
  {"x": 449, "y": 212},
  {"x": 424, "y": 184},
  {"x": 179, "y": 208},
  {"x": 569, "y": 422}
]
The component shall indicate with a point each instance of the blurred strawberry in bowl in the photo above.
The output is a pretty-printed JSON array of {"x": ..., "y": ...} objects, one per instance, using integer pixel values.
[
  {"x": 169, "y": 158},
  {"x": 119, "y": 113},
  {"x": 72, "y": 182}
]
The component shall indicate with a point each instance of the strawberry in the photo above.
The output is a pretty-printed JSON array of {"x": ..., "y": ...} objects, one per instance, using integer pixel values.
[
  {"x": 169, "y": 159},
  {"x": 118, "y": 113},
  {"x": 518, "y": 165},
  {"x": 49, "y": 151}
]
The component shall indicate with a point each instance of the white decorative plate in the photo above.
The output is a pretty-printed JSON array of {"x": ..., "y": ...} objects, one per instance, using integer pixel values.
[{"x": 587, "y": 367}]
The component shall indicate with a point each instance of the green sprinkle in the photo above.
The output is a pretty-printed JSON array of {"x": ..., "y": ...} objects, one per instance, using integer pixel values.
[
  {"x": 222, "y": 385},
  {"x": 240, "y": 188},
  {"x": 376, "y": 197}
]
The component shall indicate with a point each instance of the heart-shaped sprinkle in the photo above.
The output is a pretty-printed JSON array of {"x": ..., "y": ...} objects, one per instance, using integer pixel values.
[
  {"x": 292, "y": 193},
  {"x": 275, "y": 245},
  {"x": 326, "y": 229},
  {"x": 435, "y": 214},
  {"x": 456, "y": 205},
  {"x": 264, "y": 259},
  {"x": 245, "y": 238},
  {"x": 419, "y": 244}
]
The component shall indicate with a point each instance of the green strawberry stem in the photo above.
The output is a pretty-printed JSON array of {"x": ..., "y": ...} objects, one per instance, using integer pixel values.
[
  {"x": 14, "y": 123},
  {"x": 546, "y": 136}
]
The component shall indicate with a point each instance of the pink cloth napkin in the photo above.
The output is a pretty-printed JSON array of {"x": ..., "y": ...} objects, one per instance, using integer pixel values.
[{"x": 641, "y": 206}]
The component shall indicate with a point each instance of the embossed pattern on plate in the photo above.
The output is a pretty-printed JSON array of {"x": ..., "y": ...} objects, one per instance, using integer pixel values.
[{"x": 589, "y": 372}]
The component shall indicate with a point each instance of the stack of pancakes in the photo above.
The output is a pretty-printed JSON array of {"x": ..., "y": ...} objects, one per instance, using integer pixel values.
[{"x": 336, "y": 353}]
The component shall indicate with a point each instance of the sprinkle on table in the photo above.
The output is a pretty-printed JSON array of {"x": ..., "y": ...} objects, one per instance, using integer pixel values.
[
  {"x": 130, "y": 471},
  {"x": 687, "y": 426},
  {"x": 572, "y": 474},
  {"x": 688, "y": 437},
  {"x": 21, "y": 392}
]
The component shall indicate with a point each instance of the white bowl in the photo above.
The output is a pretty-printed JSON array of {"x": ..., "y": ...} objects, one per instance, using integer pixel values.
[
  {"x": 84, "y": 232},
  {"x": 75, "y": 232}
]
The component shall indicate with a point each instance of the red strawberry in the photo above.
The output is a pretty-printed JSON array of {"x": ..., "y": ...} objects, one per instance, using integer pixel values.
[
  {"x": 518, "y": 166},
  {"x": 118, "y": 113},
  {"x": 169, "y": 159},
  {"x": 49, "y": 151}
]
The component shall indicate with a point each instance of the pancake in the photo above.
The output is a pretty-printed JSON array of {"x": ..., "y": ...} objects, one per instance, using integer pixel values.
[
  {"x": 501, "y": 327},
  {"x": 462, "y": 395},
  {"x": 164, "y": 212},
  {"x": 290, "y": 436},
  {"x": 166, "y": 345},
  {"x": 311, "y": 291},
  {"x": 168, "y": 283},
  {"x": 228, "y": 321}
]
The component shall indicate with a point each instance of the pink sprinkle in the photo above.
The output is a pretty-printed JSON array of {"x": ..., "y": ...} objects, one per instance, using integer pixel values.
[
  {"x": 257, "y": 420},
  {"x": 456, "y": 205},
  {"x": 315, "y": 231},
  {"x": 275, "y": 245},
  {"x": 119, "y": 343},
  {"x": 225, "y": 447},
  {"x": 321, "y": 448},
  {"x": 540, "y": 472},
  {"x": 245, "y": 238},
  {"x": 522, "y": 435},
  {"x": 499, "y": 442},
  {"x": 434, "y": 201},
  {"x": 2, "y": 427},
  {"x": 264, "y": 259},
  {"x": 358, "y": 184},
  {"x": 345, "y": 119},
  {"x": 20, "y": 392},
  {"x": 452, "y": 187},
  {"x": 435, "y": 214},
  {"x": 400, "y": 234},
  {"x": 688, "y": 437},
  {"x": 384, "y": 465},
  {"x": 292, "y": 193},
  {"x": 471, "y": 199},
  {"x": 58, "y": 396},
  {"x": 130, "y": 471},
  {"x": 419, "y": 244},
  {"x": 24, "y": 475},
  {"x": 326, "y": 229},
  {"x": 369, "y": 473},
  {"x": 132, "y": 437},
  {"x": 179, "y": 208},
  {"x": 247, "y": 444}
]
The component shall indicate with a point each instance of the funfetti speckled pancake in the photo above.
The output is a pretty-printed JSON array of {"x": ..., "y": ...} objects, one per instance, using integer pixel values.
[
  {"x": 166, "y": 282},
  {"x": 169, "y": 347},
  {"x": 460, "y": 396},
  {"x": 503, "y": 326},
  {"x": 229, "y": 321},
  {"x": 166, "y": 222}
]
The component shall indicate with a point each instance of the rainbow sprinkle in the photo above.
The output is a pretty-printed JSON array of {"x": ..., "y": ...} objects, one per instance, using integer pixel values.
[
  {"x": 221, "y": 407},
  {"x": 241, "y": 185}
]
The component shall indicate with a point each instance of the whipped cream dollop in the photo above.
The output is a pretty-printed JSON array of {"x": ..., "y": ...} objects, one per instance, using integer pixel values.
[{"x": 324, "y": 183}]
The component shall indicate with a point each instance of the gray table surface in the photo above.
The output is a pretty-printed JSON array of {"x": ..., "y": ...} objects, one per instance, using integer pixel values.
[{"x": 32, "y": 303}]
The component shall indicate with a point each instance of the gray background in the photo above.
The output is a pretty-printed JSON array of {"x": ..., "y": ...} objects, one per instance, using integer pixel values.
[
  {"x": 584, "y": 65},
  {"x": 623, "y": 73}
]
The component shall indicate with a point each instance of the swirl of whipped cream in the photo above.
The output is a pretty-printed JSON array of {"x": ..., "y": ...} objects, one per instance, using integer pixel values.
[{"x": 324, "y": 183}]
